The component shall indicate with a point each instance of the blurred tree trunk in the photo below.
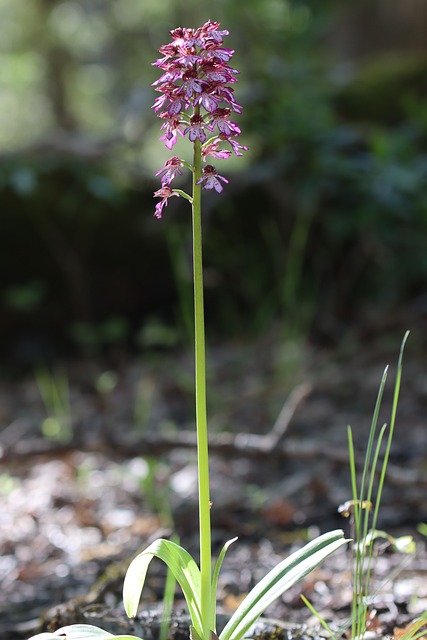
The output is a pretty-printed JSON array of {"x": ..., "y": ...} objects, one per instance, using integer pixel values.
[
  {"x": 58, "y": 66},
  {"x": 367, "y": 27}
]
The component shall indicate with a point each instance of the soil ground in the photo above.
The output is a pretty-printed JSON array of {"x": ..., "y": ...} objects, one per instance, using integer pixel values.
[{"x": 82, "y": 503}]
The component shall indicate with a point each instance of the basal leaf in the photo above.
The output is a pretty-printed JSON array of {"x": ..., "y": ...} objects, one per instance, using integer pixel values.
[
  {"x": 180, "y": 563},
  {"x": 217, "y": 569},
  {"x": 45, "y": 636},
  {"x": 278, "y": 580},
  {"x": 81, "y": 632}
]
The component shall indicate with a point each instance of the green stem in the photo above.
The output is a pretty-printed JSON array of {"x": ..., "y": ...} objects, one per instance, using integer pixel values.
[{"x": 208, "y": 616}]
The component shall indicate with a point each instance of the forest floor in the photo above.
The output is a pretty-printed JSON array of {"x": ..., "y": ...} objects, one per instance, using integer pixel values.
[{"x": 122, "y": 470}]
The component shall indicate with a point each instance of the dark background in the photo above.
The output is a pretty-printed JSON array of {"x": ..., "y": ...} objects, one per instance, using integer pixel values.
[{"x": 322, "y": 228}]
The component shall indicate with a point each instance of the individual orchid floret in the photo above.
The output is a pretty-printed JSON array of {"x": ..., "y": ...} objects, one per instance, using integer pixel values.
[
  {"x": 164, "y": 193},
  {"x": 170, "y": 170},
  {"x": 211, "y": 149},
  {"x": 196, "y": 129},
  {"x": 191, "y": 84},
  {"x": 236, "y": 146},
  {"x": 226, "y": 94},
  {"x": 211, "y": 179},
  {"x": 172, "y": 127},
  {"x": 213, "y": 52},
  {"x": 168, "y": 89},
  {"x": 211, "y": 29},
  {"x": 208, "y": 101},
  {"x": 220, "y": 118},
  {"x": 217, "y": 73}
]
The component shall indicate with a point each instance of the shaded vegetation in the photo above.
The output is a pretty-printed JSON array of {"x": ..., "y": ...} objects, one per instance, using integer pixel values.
[{"x": 327, "y": 220}]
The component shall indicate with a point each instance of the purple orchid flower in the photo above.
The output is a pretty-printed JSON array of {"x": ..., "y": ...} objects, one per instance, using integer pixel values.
[
  {"x": 196, "y": 97},
  {"x": 164, "y": 193},
  {"x": 211, "y": 179}
]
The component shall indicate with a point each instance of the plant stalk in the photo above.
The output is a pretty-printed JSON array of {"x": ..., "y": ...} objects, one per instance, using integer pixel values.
[{"x": 201, "y": 414}]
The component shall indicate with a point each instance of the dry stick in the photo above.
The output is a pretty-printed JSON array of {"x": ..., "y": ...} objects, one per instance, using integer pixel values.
[
  {"x": 248, "y": 444},
  {"x": 245, "y": 445},
  {"x": 281, "y": 426}
]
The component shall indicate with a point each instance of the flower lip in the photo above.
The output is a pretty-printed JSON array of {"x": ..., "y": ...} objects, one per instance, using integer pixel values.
[
  {"x": 165, "y": 192},
  {"x": 211, "y": 179},
  {"x": 196, "y": 128},
  {"x": 219, "y": 117},
  {"x": 211, "y": 149},
  {"x": 171, "y": 168},
  {"x": 172, "y": 126},
  {"x": 236, "y": 146}
]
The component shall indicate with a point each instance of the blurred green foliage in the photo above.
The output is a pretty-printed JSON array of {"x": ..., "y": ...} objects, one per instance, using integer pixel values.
[{"x": 325, "y": 216}]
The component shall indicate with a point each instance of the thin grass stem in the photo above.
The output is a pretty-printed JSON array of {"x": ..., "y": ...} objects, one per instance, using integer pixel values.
[
  {"x": 317, "y": 615},
  {"x": 392, "y": 425},
  {"x": 363, "y": 497}
]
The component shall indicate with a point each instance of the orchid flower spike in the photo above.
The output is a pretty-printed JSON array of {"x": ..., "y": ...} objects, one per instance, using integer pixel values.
[{"x": 196, "y": 101}]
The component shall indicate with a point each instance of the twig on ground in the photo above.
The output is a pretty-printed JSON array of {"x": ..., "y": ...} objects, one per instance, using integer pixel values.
[
  {"x": 245, "y": 445},
  {"x": 281, "y": 426}
]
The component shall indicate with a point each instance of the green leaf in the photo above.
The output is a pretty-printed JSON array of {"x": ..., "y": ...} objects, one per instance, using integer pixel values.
[
  {"x": 183, "y": 567},
  {"x": 46, "y": 636},
  {"x": 217, "y": 569},
  {"x": 403, "y": 544},
  {"x": 193, "y": 634},
  {"x": 278, "y": 580},
  {"x": 81, "y": 632}
]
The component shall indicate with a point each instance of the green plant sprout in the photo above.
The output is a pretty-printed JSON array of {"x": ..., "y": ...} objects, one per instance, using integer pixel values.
[
  {"x": 55, "y": 394},
  {"x": 196, "y": 77},
  {"x": 157, "y": 493},
  {"x": 363, "y": 511}
]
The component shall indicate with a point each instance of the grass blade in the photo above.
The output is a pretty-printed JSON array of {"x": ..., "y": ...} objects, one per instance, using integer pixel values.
[
  {"x": 317, "y": 615},
  {"x": 217, "y": 569},
  {"x": 81, "y": 632}
]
